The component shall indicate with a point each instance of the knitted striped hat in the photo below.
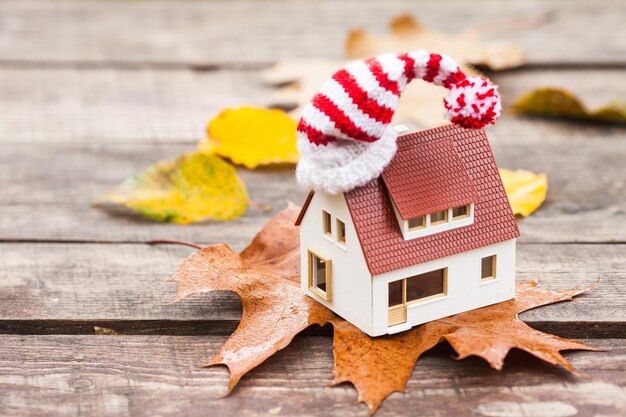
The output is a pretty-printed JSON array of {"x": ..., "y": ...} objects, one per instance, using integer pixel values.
[{"x": 344, "y": 135}]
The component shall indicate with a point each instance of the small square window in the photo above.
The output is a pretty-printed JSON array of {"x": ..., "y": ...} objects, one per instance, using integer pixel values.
[
  {"x": 326, "y": 223},
  {"x": 418, "y": 222},
  {"x": 460, "y": 212},
  {"x": 488, "y": 268},
  {"x": 320, "y": 275},
  {"x": 341, "y": 232},
  {"x": 439, "y": 217}
]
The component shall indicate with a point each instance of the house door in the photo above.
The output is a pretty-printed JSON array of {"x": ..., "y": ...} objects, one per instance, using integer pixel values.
[{"x": 397, "y": 303}]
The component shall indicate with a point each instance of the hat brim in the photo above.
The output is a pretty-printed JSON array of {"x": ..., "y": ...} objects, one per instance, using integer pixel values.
[{"x": 359, "y": 164}]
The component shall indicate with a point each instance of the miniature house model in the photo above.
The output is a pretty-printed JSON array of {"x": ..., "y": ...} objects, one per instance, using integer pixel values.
[{"x": 433, "y": 236}]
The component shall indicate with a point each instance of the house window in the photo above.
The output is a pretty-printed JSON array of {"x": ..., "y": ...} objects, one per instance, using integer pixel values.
[
  {"x": 341, "y": 232},
  {"x": 320, "y": 275},
  {"x": 460, "y": 212},
  {"x": 418, "y": 288},
  {"x": 488, "y": 268},
  {"x": 418, "y": 222},
  {"x": 439, "y": 217},
  {"x": 326, "y": 224},
  {"x": 429, "y": 284}
]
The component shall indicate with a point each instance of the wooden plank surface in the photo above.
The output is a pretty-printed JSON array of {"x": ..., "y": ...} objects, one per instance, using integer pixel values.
[
  {"x": 47, "y": 191},
  {"x": 121, "y": 286},
  {"x": 93, "y": 91},
  {"x": 225, "y": 32},
  {"x": 112, "y": 105},
  {"x": 148, "y": 376}
]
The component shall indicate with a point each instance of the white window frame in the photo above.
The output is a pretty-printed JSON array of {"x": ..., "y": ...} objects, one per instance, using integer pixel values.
[
  {"x": 328, "y": 263},
  {"x": 494, "y": 268}
]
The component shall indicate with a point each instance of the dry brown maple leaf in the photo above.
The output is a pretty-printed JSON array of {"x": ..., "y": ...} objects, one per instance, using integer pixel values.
[
  {"x": 266, "y": 277},
  {"x": 407, "y": 34}
]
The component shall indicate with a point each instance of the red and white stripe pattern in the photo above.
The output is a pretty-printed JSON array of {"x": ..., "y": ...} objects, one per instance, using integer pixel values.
[
  {"x": 359, "y": 101},
  {"x": 356, "y": 107}
]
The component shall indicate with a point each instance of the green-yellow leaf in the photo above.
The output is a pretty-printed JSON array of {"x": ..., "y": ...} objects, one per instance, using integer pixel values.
[
  {"x": 186, "y": 189},
  {"x": 555, "y": 102},
  {"x": 252, "y": 136},
  {"x": 526, "y": 190}
]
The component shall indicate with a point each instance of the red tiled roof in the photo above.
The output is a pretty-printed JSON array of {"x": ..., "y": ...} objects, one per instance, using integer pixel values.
[
  {"x": 426, "y": 177},
  {"x": 377, "y": 227}
]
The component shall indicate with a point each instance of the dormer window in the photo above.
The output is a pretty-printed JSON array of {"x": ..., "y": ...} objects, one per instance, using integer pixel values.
[
  {"x": 416, "y": 223},
  {"x": 438, "y": 217},
  {"x": 435, "y": 222},
  {"x": 460, "y": 212},
  {"x": 432, "y": 191}
]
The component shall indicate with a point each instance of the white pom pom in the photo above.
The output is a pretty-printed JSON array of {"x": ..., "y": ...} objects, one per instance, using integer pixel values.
[{"x": 473, "y": 103}]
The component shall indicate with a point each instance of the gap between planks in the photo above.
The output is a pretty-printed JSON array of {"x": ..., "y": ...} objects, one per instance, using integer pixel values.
[{"x": 572, "y": 330}]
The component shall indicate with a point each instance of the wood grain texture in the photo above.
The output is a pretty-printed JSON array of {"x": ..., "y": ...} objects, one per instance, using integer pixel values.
[
  {"x": 236, "y": 32},
  {"x": 108, "y": 105},
  {"x": 147, "y": 376},
  {"x": 47, "y": 189},
  {"x": 77, "y": 286},
  {"x": 93, "y": 91}
]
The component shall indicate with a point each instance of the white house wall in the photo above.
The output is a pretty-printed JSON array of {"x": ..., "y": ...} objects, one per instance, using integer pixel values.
[
  {"x": 351, "y": 280},
  {"x": 465, "y": 290}
]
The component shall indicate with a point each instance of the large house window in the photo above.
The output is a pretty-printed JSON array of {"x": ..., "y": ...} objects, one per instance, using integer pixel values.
[
  {"x": 320, "y": 275},
  {"x": 326, "y": 223},
  {"x": 341, "y": 232},
  {"x": 429, "y": 284},
  {"x": 488, "y": 268},
  {"x": 418, "y": 287}
]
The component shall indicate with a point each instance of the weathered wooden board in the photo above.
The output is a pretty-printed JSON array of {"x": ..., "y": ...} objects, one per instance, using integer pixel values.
[
  {"x": 148, "y": 376},
  {"x": 69, "y": 288},
  {"x": 219, "y": 32},
  {"x": 47, "y": 189},
  {"x": 173, "y": 106}
]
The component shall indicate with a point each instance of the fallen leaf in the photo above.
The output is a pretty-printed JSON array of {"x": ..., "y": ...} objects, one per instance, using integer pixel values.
[
  {"x": 186, "y": 189},
  {"x": 526, "y": 190},
  {"x": 407, "y": 34},
  {"x": 265, "y": 276},
  {"x": 274, "y": 307},
  {"x": 251, "y": 137},
  {"x": 556, "y": 102},
  {"x": 104, "y": 331}
]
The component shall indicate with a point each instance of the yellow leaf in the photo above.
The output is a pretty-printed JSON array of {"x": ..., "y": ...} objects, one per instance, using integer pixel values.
[
  {"x": 556, "y": 102},
  {"x": 526, "y": 190},
  {"x": 252, "y": 136},
  {"x": 183, "y": 190},
  {"x": 407, "y": 34}
]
